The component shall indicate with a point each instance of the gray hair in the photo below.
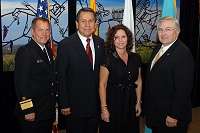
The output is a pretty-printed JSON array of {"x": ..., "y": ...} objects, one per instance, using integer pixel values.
[{"x": 169, "y": 18}]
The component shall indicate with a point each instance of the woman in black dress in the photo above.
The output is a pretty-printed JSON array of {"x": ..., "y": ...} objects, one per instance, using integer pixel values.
[{"x": 120, "y": 86}]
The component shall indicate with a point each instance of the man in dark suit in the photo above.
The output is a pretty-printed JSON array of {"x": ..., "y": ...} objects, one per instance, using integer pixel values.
[
  {"x": 78, "y": 75},
  {"x": 34, "y": 84},
  {"x": 169, "y": 81}
]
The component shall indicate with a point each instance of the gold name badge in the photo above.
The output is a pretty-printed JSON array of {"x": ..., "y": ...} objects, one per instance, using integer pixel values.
[{"x": 26, "y": 104}]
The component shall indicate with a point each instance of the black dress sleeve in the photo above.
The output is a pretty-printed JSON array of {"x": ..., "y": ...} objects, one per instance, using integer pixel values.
[{"x": 105, "y": 62}]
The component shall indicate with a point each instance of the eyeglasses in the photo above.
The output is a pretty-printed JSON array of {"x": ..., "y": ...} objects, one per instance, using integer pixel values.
[{"x": 168, "y": 30}]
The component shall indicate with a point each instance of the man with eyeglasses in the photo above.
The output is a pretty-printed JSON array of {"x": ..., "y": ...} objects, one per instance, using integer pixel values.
[{"x": 169, "y": 81}]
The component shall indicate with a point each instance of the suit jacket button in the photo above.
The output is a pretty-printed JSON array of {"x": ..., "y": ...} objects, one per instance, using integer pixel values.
[
  {"x": 52, "y": 84},
  {"x": 52, "y": 94}
]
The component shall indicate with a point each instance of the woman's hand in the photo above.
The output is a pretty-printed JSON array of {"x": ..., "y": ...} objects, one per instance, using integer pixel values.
[
  {"x": 105, "y": 115},
  {"x": 138, "y": 109}
]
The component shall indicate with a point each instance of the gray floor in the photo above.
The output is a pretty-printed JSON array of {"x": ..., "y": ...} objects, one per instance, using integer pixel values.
[{"x": 194, "y": 126}]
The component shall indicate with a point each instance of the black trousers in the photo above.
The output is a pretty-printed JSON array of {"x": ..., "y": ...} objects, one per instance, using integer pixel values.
[
  {"x": 37, "y": 126},
  {"x": 82, "y": 125}
]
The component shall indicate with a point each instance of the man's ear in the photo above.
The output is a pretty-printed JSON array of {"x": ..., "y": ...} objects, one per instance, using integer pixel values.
[
  {"x": 76, "y": 24},
  {"x": 32, "y": 31},
  {"x": 96, "y": 25}
]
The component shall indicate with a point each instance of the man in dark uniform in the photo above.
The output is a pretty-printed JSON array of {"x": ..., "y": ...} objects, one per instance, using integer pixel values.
[{"x": 34, "y": 81}]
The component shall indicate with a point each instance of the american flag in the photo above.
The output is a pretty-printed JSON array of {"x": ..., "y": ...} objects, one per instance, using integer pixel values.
[
  {"x": 42, "y": 9},
  {"x": 44, "y": 12}
]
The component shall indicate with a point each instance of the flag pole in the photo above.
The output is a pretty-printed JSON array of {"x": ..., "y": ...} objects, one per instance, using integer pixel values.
[{"x": 51, "y": 37}]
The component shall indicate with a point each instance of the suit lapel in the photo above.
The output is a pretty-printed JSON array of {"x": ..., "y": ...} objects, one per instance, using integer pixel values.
[
  {"x": 80, "y": 49},
  {"x": 163, "y": 57},
  {"x": 97, "y": 50},
  {"x": 42, "y": 54},
  {"x": 50, "y": 55},
  {"x": 155, "y": 51}
]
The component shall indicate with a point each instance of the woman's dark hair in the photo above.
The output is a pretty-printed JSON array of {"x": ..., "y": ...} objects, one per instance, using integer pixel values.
[{"x": 110, "y": 36}]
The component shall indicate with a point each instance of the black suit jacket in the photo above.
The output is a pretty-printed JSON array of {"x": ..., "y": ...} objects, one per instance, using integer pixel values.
[
  {"x": 35, "y": 81},
  {"x": 168, "y": 85},
  {"x": 78, "y": 83}
]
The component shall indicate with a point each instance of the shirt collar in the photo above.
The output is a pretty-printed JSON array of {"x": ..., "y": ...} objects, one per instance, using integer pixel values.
[
  {"x": 82, "y": 37},
  {"x": 39, "y": 45},
  {"x": 166, "y": 47}
]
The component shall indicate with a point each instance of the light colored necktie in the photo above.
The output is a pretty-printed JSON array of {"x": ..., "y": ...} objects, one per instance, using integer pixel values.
[
  {"x": 160, "y": 53},
  {"x": 89, "y": 51}
]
